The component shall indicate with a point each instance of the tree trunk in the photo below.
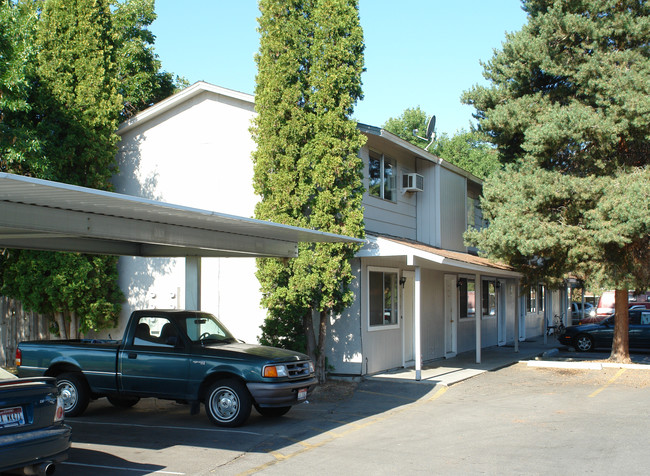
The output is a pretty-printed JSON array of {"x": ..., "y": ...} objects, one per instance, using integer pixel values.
[
  {"x": 60, "y": 320},
  {"x": 621, "y": 342},
  {"x": 74, "y": 325},
  {"x": 321, "y": 371},
  {"x": 308, "y": 328}
]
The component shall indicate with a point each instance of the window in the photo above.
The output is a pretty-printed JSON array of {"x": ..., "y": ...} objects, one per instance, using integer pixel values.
[
  {"x": 467, "y": 297},
  {"x": 382, "y": 296},
  {"x": 382, "y": 176},
  {"x": 531, "y": 300},
  {"x": 489, "y": 298},
  {"x": 541, "y": 298}
]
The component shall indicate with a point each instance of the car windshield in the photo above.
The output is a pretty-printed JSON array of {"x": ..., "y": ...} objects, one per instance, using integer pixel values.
[{"x": 206, "y": 329}]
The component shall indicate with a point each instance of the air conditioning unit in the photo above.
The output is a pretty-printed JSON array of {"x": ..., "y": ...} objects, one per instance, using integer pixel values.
[{"x": 412, "y": 182}]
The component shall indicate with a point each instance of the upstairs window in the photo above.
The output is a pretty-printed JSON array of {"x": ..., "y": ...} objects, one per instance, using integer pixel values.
[{"x": 382, "y": 177}]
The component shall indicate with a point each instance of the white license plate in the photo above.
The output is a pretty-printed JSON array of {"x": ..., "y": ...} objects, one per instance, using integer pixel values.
[
  {"x": 11, "y": 417},
  {"x": 302, "y": 394}
]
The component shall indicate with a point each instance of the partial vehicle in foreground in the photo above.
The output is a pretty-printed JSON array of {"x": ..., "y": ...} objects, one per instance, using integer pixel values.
[
  {"x": 33, "y": 436},
  {"x": 585, "y": 337},
  {"x": 187, "y": 356}
]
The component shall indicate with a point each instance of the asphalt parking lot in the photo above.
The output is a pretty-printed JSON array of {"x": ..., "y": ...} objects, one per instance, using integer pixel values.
[{"x": 515, "y": 420}]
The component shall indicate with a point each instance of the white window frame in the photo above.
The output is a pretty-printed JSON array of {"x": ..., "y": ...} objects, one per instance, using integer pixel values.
[
  {"x": 469, "y": 277},
  {"x": 485, "y": 316},
  {"x": 383, "y": 159},
  {"x": 378, "y": 269}
]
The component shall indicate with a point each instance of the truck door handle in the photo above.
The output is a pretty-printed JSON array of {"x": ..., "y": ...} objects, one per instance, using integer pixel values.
[{"x": 132, "y": 355}]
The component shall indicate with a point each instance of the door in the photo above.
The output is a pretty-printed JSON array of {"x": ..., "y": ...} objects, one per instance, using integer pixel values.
[
  {"x": 451, "y": 315},
  {"x": 157, "y": 364},
  {"x": 408, "y": 310}
]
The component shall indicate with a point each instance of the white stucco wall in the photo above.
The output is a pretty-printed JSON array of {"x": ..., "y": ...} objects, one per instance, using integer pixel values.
[{"x": 197, "y": 154}]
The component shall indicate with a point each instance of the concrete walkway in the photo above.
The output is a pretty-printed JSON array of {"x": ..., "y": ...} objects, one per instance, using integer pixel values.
[{"x": 534, "y": 351}]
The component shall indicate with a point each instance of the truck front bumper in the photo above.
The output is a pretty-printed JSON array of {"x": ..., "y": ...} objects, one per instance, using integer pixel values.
[{"x": 281, "y": 394}]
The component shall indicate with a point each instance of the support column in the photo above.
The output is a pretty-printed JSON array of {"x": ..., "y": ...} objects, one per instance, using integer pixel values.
[
  {"x": 193, "y": 283},
  {"x": 416, "y": 324},
  {"x": 478, "y": 314},
  {"x": 517, "y": 314}
]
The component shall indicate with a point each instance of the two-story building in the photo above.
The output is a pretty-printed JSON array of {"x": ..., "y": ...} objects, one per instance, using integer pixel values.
[{"x": 420, "y": 293}]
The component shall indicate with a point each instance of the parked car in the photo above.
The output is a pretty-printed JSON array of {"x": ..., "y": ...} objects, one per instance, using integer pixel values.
[
  {"x": 592, "y": 319},
  {"x": 33, "y": 436},
  {"x": 187, "y": 356},
  {"x": 577, "y": 312},
  {"x": 592, "y": 336}
]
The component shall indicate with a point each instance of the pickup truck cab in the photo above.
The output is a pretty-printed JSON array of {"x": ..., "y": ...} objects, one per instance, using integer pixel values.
[{"x": 187, "y": 356}]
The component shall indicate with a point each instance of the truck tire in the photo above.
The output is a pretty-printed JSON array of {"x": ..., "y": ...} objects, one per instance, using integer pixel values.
[
  {"x": 123, "y": 402},
  {"x": 228, "y": 403},
  {"x": 75, "y": 393}
]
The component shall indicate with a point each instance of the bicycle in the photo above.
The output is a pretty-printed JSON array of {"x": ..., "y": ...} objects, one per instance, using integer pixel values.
[{"x": 558, "y": 328}]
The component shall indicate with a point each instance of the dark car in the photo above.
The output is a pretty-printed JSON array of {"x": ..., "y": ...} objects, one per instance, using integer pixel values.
[
  {"x": 586, "y": 337},
  {"x": 33, "y": 436}
]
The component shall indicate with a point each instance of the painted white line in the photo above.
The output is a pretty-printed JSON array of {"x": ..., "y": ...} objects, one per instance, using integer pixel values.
[
  {"x": 211, "y": 430},
  {"x": 120, "y": 468}
]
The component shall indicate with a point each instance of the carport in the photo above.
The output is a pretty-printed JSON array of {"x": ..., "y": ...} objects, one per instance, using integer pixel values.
[{"x": 42, "y": 215}]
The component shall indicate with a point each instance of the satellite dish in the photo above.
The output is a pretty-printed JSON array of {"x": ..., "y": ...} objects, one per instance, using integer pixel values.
[
  {"x": 431, "y": 128},
  {"x": 431, "y": 132}
]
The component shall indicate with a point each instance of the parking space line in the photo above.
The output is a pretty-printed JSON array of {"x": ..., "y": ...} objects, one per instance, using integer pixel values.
[
  {"x": 120, "y": 468},
  {"x": 609, "y": 382},
  {"x": 185, "y": 428}
]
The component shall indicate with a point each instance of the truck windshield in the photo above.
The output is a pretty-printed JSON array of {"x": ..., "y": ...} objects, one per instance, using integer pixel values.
[{"x": 206, "y": 329}]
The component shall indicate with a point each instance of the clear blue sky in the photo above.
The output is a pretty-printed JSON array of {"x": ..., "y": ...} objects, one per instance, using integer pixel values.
[{"x": 418, "y": 52}]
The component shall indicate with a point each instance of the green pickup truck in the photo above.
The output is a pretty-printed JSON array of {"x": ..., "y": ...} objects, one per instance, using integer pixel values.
[{"x": 187, "y": 356}]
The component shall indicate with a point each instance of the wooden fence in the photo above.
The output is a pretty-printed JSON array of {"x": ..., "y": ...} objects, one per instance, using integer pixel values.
[{"x": 17, "y": 325}]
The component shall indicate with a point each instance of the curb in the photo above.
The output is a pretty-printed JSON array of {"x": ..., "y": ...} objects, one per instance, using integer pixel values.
[{"x": 583, "y": 365}]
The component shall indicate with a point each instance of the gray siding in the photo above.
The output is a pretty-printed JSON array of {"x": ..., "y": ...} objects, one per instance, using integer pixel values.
[{"x": 453, "y": 210}]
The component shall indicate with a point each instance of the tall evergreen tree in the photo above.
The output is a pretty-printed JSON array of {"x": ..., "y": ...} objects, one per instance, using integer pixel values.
[
  {"x": 20, "y": 146},
  {"x": 142, "y": 83},
  {"x": 569, "y": 110},
  {"x": 307, "y": 169}
]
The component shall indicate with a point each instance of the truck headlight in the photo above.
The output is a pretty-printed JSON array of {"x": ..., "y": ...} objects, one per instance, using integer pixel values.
[{"x": 275, "y": 371}]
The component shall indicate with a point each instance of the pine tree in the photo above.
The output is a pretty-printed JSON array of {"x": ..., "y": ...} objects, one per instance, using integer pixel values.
[
  {"x": 569, "y": 109},
  {"x": 307, "y": 169}
]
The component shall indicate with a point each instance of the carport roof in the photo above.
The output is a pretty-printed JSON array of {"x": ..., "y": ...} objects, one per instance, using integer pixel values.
[{"x": 43, "y": 215}]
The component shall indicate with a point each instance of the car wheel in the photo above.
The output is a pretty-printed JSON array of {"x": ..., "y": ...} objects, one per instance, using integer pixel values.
[
  {"x": 75, "y": 393},
  {"x": 123, "y": 402},
  {"x": 272, "y": 412},
  {"x": 583, "y": 343},
  {"x": 228, "y": 403}
]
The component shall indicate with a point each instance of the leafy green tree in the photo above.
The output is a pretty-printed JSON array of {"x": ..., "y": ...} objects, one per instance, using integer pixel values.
[
  {"x": 470, "y": 151},
  {"x": 307, "y": 169},
  {"x": 404, "y": 126},
  {"x": 568, "y": 108},
  {"x": 142, "y": 83},
  {"x": 20, "y": 145}
]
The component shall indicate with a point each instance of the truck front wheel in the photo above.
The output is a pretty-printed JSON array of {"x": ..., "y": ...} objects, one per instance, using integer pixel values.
[
  {"x": 75, "y": 393},
  {"x": 228, "y": 403}
]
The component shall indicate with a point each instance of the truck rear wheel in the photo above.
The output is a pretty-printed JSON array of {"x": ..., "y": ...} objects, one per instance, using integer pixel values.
[
  {"x": 228, "y": 403},
  {"x": 272, "y": 412},
  {"x": 75, "y": 393},
  {"x": 123, "y": 402}
]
